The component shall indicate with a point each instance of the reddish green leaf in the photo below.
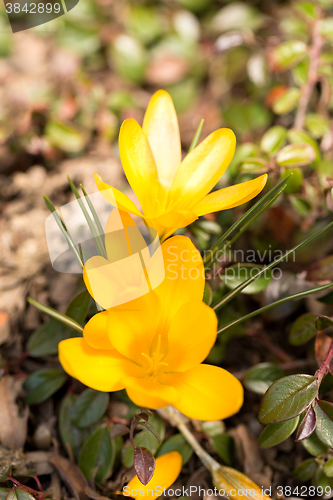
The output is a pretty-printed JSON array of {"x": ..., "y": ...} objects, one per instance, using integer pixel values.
[
  {"x": 307, "y": 426},
  {"x": 144, "y": 464},
  {"x": 303, "y": 329},
  {"x": 287, "y": 398}
]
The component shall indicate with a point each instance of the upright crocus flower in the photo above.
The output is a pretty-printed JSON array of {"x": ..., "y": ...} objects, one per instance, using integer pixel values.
[
  {"x": 154, "y": 345},
  {"x": 173, "y": 193}
]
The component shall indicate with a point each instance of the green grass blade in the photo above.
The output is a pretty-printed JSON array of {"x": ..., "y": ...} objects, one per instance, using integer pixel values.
[
  {"x": 196, "y": 137},
  {"x": 295, "y": 296},
  {"x": 56, "y": 315},
  {"x": 90, "y": 222},
  {"x": 64, "y": 230},
  {"x": 247, "y": 282},
  {"x": 247, "y": 218},
  {"x": 93, "y": 211}
]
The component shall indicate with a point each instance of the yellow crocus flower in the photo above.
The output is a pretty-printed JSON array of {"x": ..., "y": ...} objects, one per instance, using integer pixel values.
[
  {"x": 167, "y": 469},
  {"x": 175, "y": 192},
  {"x": 154, "y": 345}
]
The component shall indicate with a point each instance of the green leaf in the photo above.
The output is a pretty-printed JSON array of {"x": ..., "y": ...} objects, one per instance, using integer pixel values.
[
  {"x": 238, "y": 289},
  {"x": 260, "y": 377},
  {"x": 44, "y": 341},
  {"x": 301, "y": 205},
  {"x": 298, "y": 295},
  {"x": 90, "y": 407},
  {"x": 324, "y": 411},
  {"x": 19, "y": 494},
  {"x": 43, "y": 383},
  {"x": 303, "y": 329},
  {"x": 314, "y": 446},
  {"x": 235, "y": 275},
  {"x": 287, "y": 101},
  {"x": 65, "y": 136},
  {"x": 274, "y": 139},
  {"x": 323, "y": 322},
  {"x": 244, "y": 221},
  {"x": 295, "y": 181},
  {"x": 306, "y": 470},
  {"x": 196, "y": 137},
  {"x": 98, "y": 455},
  {"x": 68, "y": 432},
  {"x": 274, "y": 434},
  {"x": 224, "y": 446},
  {"x": 129, "y": 58},
  {"x": 317, "y": 125},
  {"x": 328, "y": 468},
  {"x": 254, "y": 166},
  {"x": 287, "y": 54},
  {"x": 326, "y": 27},
  {"x": 176, "y": 443},
  {"x": 208, "y": 294},
  {"x": 4, "y": 492},
  {"x": 55, "y": 314},
  {"x": 320, "y": 479},
  {"x": 296, "y": 155},
  {"x": 296, "y": 136},
  {"x": 287, "y": 398}
]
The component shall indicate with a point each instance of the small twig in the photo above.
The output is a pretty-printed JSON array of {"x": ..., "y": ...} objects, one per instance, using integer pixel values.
[
  {"x": 275, "y": 350},
  {"x": 307, "y": 88}
]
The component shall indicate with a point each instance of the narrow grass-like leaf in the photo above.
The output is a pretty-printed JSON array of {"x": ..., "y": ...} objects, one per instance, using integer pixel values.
[
  {"x": 287, "y": 398},
  {"x": 246, "y": 219},
  {"x": 56, "y": 314},
  {"x": 196, "y": 137},
  {"x": 64, "y": 230},
  {"x": 94, "y": 213},
  {"x": 90, "y": 222},
  {"x": 243, "y": 285},
  {"x": 295, "y": 296}
]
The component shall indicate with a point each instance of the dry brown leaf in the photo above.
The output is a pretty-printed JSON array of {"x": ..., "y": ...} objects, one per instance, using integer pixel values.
[
  {"x": 322, "y": 346},
  {"x": 71, "y": 476},
  {"x": 13, "y": 426}
]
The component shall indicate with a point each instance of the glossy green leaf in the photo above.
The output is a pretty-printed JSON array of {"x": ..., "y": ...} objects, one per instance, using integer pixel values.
[
  {"x": 295, "y": 155},
  {"x": 274, "y": 434},
  {"x": 176, "y": 443},
  {"x": 98, "y": 455},
  {"x": 260, "y": 377},
  {"x": 90, "y": 407},
  {"x": 69, "y": 434},
  {"x": 324, "y": 429},
  {"x": 326, "y": 483},
  {"x": 235, "y": 275},
  {"x": 303, "y": 329},
  {"x": 43, "y": 383},
  {"x": 274, "y": 139},
  {"x": 254, "y": 165},
  {"x": 287, "y": 398},
  {"x": 129, "y": 58},
  {"x": 323, "y": 322},
  {"x": 19, "y": 494},
  {"x": 306, "y": 470},
  {"x": 224, "y": 446},
  {"x": 317, "y": 125},
  {"x": 4, "y": 492}
]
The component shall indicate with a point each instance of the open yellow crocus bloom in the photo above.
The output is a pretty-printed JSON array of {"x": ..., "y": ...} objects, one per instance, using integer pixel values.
[
  {"x": 154, "y": 345},
  {"x": 173, "y": 193},
  {"x": 167, "y": 469}
]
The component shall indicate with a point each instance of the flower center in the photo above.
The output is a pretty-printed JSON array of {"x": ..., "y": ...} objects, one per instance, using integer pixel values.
[{"x": 155, "y": 361}]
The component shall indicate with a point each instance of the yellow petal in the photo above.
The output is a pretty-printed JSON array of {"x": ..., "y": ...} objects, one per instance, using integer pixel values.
[
  {"x": 184, "y": 276},
  {"x": 160, "y": 125},
  {"x": 139, "y": 165},
  {"x": 206, "y": 392},
  {"x": 167, "y": 469},
  {"x": 230, "y": 197},
  {"x": 132, "y": 327},
  {"x": 191, "y": 336},
  {"x": 116, "y": 197},
  {"x": 99, "y": 369},
  {"x": 202, "y": 168},
  {"x": 167, "y": 223},
  {"x": 147, "y": 392},
  {"x": 96, "y": 331}
]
